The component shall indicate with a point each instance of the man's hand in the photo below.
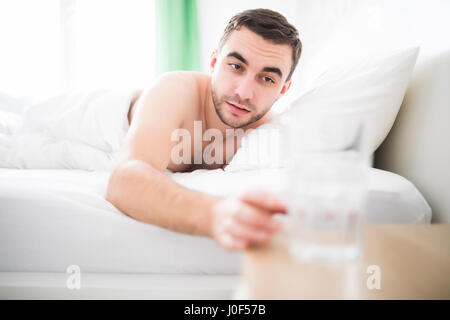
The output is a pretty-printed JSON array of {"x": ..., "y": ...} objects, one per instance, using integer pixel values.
[{"x": 248, "y": 218}]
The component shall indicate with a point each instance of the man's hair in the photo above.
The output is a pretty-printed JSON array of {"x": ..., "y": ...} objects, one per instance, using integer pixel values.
[{"x": 271, "y": 26}]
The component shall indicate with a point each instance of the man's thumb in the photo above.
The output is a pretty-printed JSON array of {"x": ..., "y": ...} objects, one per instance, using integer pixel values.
[{"x": 264, "y": 200}]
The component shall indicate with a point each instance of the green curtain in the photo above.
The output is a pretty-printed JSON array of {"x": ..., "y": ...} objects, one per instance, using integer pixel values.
[{"x": 177, "y": 35}]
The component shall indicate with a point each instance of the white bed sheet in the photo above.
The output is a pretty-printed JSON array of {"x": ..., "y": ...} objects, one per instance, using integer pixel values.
[
  {"x": 50, "y": 219},
  {"x": 391, "y": 197},
  {"x": 44, "y": 285}
]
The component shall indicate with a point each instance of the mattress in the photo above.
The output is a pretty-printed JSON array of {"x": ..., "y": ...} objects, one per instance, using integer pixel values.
[
  {"x": 52, "y": 219},
  {"x": 43, "y": 285}
]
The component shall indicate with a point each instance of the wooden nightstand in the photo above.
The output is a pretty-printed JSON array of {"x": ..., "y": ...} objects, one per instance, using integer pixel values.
[{"x": 413, "y": 262}]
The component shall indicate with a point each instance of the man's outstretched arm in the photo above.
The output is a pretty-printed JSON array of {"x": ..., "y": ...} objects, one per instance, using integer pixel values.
[
  {"x": 148, "y": 195},
  {"x": 152, "y": 197},
  {"x": 139, "y": 187}
]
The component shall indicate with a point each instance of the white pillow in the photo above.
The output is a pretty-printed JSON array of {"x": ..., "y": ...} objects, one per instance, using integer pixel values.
[{"x": 366, "y": 90}]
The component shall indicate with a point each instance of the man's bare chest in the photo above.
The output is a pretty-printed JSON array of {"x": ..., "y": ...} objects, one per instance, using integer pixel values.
[{"x": 196, "y": 148}]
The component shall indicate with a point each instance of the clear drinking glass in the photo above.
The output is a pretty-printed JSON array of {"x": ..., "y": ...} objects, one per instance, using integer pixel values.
[{"x": 327, "y": 189}]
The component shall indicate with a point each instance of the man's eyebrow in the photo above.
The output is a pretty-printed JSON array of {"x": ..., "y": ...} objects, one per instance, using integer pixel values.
[
  {"x": 274, "y": 70},
  {"x": 237, "y": 56},
  {"x": 266, "y": 69}
]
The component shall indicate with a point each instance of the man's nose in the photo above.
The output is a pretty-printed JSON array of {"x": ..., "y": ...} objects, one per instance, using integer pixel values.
[{"x": 245, "y": 88}]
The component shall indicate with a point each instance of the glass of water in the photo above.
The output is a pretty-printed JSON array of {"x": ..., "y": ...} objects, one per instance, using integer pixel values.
[{"x": 327, "y": 189}]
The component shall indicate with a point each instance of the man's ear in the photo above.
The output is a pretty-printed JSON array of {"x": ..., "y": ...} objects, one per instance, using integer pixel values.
[
  {"x": 213, "y": 61},
  {"x": 285, "y": 87}
]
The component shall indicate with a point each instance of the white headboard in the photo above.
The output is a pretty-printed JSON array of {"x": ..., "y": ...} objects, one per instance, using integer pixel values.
[{"x": 418, "y": 146}]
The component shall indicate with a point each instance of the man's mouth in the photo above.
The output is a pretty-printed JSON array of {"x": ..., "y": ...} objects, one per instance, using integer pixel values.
[{"x": 237, "y": 109}]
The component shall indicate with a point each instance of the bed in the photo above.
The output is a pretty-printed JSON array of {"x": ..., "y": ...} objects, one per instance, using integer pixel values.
[{"x": 53, "y": 219}]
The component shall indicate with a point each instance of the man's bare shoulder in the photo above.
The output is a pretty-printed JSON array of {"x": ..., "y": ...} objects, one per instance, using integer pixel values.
[
  {"x": 180, "y": 91},
  {"x": 165, "y": 106},
  {"x": 185, "y": 83}
]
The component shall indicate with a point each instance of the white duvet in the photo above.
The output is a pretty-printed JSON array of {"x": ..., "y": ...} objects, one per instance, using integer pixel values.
[{"x": 74, "y": 130}]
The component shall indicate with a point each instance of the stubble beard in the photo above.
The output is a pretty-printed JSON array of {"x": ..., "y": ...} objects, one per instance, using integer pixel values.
[{"x": 220, "y": 112}]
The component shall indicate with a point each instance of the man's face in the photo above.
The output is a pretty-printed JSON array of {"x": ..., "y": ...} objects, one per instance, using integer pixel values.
[{"x": 248, "y": 77}]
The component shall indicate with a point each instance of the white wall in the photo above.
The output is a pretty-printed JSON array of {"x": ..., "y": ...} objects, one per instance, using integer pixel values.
[{"x": 48, "y": 46}]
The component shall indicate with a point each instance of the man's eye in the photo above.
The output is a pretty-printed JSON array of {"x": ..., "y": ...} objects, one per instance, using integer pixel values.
[
  {"x": 267, "y": 79},
  {"x": 235, "y": 66}
]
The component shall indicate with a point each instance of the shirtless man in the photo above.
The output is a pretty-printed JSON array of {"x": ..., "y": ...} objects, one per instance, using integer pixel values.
[{"x": 250, "y": 70}]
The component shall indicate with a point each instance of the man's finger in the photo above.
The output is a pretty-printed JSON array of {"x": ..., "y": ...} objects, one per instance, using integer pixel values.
[
  {"x": 264, "y": 200},
  {"x": 231, "y": 243},
  {"x": 258, "y": 218},
  {"x": 249, "y": 233}
]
